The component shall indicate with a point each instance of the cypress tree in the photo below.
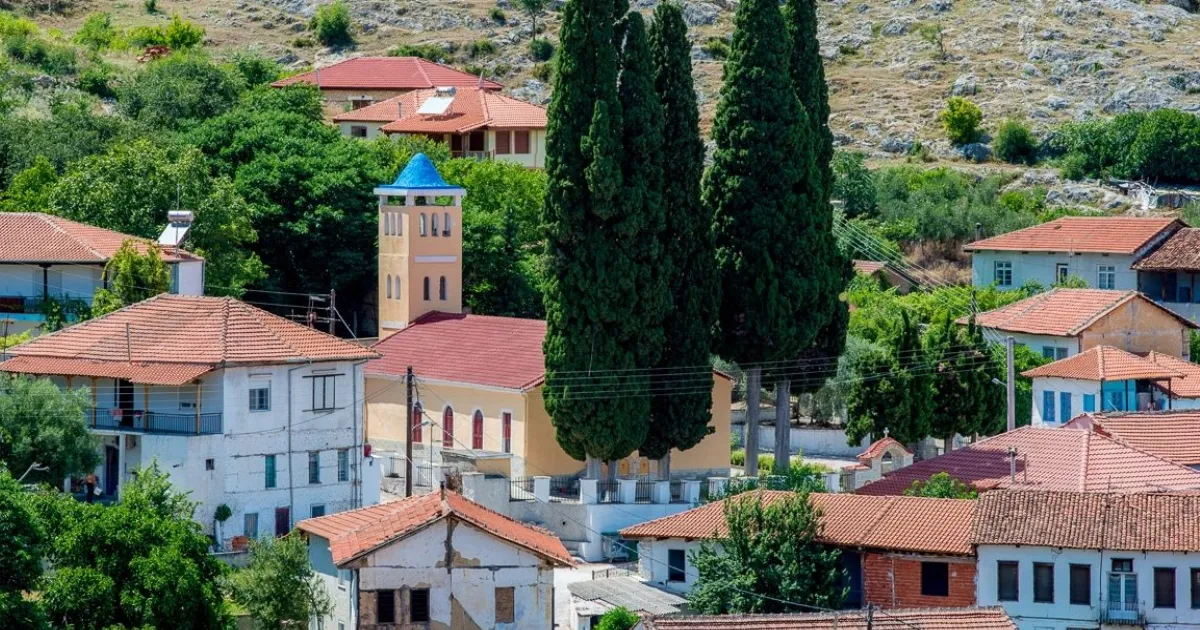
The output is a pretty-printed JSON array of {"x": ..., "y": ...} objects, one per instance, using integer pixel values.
[
  {"x": 680, "y": 416},
  {"x": 760, "y": 189},
  {"x": 808, "y": 78}
]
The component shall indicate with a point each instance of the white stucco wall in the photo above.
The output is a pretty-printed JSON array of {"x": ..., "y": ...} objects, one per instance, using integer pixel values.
[
  {"x": 1062, "y": 615},
  {"x": 1077, "y": 388},
  {"x": 188, "y": 278},
  {"x": 371, "y": 127},
  {"x": 653, "y": 567},
  {"x": 339, "y": 585},
  {"x": 1041, "y": 268},
  {"x": 1037, "y": 342}
]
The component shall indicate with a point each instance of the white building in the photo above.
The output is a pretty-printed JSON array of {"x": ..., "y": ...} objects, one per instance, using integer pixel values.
[
  {"x": 44, "y": 258},
  {"x": 240, "y": 407},
  {"x": 1067, "y": 561},
  {"x": 1100, "y": 250},
  {"x": 434, "y": 561}
]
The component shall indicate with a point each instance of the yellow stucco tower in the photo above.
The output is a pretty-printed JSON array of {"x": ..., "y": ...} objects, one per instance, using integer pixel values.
[{"x": 420, "y": 246}]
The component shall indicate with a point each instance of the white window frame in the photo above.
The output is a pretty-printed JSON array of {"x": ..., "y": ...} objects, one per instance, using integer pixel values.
[
  {"x": 1002, "y": 269},
  {"x": 257, "y": 387},
  {"x": 1109, "y": 271},
  {"x": 343, "y": 464}
]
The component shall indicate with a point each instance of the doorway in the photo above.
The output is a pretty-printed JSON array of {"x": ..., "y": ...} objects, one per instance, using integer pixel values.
[
  {"x": 112, "y": 470},
  {"x": 124, "y": 402},
  {"x": 283, "y": 522}
]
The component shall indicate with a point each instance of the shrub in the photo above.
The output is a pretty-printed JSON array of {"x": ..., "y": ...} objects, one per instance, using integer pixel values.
[
  {"x": 143, "y": 36},
  {"x": 541, "y": 49},
  {"x": 97, "y": 32},
  {"x": 181, "y": 34},
  {"x": 482, "y": 48},
  {"x": 618, "y": 618},
  {"x": 853, "y": 183},
  {"x": 738, "y": 457},
  {"x": 97, "y": 79},
  {"x": 332, "y": 25},
  {"x": 1073, "y": 166},
  {"x": 1015, "y": 144},
  {"x": 543, "y": 72},
  {"x": 151, "y": 6},
  {"x": 497, "y": 15},
  {"x": 961, "y": 120},
  {"x": 256, "y": 69},
  {"x": 716, "y": 47},
  {"x": 303, "y": 42},
  {"x": 428, "y": 52},
  {"x": 11, "y": 26}
]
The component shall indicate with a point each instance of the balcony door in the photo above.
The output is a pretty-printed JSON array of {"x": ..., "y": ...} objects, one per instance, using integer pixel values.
[
  {"x": 124, "y": 401},
  {"x": 1122, "y": 590}
]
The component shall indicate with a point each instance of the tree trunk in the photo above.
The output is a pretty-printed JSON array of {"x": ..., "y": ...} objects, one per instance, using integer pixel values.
[
  {"x": 591, "y": 468},
  {"x": 664, "y": 467},
  {"x": 610, "y": 471},
  {"x": 783, "y": 426},
  {"x": 753, "y": 394}
]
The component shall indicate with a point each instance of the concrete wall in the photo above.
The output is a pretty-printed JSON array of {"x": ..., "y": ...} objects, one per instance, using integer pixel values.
[
  {"x": 653, "y": 567},
  {"x": 1040, "y": 267},
  {"x": 339, "y": 585},
  {"x": 1037, "y": 342},
  {"x": 1139, "y": 326},
  {"x": 1076, "y": 388},
  {"x": 372, "y": 128},
  {"x": 535, "y": 158},
  {"x": 188, "y": 278},
  {"x": 1061, "y": 614},
  {"x": 811, "y": 441},
  {"x": 894, "y": 581}
]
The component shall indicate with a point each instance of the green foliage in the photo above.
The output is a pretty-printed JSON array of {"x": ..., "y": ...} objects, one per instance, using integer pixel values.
[
  {"x": 133, "y": 276},
  {"x": 961, "y": 120},
  {"x": 97, "y": 32},
  {"x": 853, "y": 184},
  {"x": 482, "y": 48},
  {"x": 889, "y": 382},
  {"x": 936, "y": 37},
  {"x": 619, "y": 618},
  {"x": 1015, "y": 144},
  {"x": 534, "y": 9},
  {"x": 97, "y": 79},
  {"x": 541, "y": 49},
  {"x": 543, "y": 72},
  {"x": 279, "y": 588},
  {"x": 943, "y": 204},
  {"x": 332, "y": 24},
  {"x": 770, "y": 557},
  {"x": 27, "y": 47},
  {"x": 178, "y": 34},
  {"x": 23, "y": 535},
  {"x": 179, "y": 91},
  {"x": 1158, "y": 145},
  {"x": 497, "y": 15},
  {"x": 941, "y": 486},
  {"x": 965, "y": 398},
  {"x": 45, "y": 425},
  {"x": 256, "y": 70},
  {"x": 145, "y": 553},
  {"x": 429, "y": 52},
  {"x": 716, "y": 47},
  {"x": 1194, "y": 346},
  {"x": 30, "y": 188},
  {"x": 151, "y": 6}
]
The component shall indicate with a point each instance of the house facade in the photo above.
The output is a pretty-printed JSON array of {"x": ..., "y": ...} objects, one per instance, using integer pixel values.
[
  {"x": 44, "y": 259},
  {"x": 917, "y": 619},
  {"x": 1100, "y": 250},
  {"x": 239, "y": 407},
  {"x": 434, "y": 561},
  {"x": 1064, "y": 561},
  {"x": 478, "y": 379},
  {"x": 1167, "y": 275}
]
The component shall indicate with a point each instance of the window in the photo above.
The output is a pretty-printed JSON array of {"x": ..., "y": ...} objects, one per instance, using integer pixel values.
[
  {"x": 324, "y": 392},
  {"x": 283, "y": 521},
  {"x": 1089, "y": 403},
  {"x": 343, "y": 578},
  {"x": 935, "y": 579},
  {"x": 385, "y": 607},
  {"x": 1106, "y": 277},
  {"x": 358, "y": 131},
  {"x": 421, "y": 229},
  {"x": 477, "y": 430},
  {"x": 676, "y": 565},
  {"x": 260, "y": 398},
  {"x": 396, "y": 280},
  {"x": 314, "y": 467},
  {"x": 210, "y": 464},
  {"x": 387, "y": 223},
  {"x": 416, "y": 422},
  {"x": 1064, "y": 406},
  {"x": 250, "y": 525},
  {"x": 1061, "y": 271},
  {"x": 521, "y": 142},
  {"x": 1122, "y": 565},
  {"x": 442, "y": 288},
  {"x": 389, "y": 286},
  {"x": 418, "y": 604},
  {"x": 506, "y": 429},
  {"x": 426, "y": 287},
  {"x": 316, "y": 510},
  {"x": 1047, "y": 406},
  {"x": 445, "y": 224},
  {"x": 1008, "y": 581},
  {"x": 1195, "y": 588},
  {"x": 1081, "y": 584},
  {"x": 503, "y": 142},
  {"x": 448, "y": 428},
  {"x": 343, "y": 459},
  {"x": 1164, "y": 587},
  {"x": 269, "y": 467},
  {"x": 505, "y": 604},
  {"x": 1043, "y": 582},
  {"x": 433, "y": 225},
  {"x": 1002, "y": 274},
  {"x": 361, "y": 102},
  {"x": 1047, "y": 352}
]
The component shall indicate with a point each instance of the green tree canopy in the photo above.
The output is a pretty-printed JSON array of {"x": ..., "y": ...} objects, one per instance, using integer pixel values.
[
  {"x": 43, "y": 424},
  {"x": 133, "y": 276},
  {"x": 619, "y": 618},
  {"x": 965, "y": 401},
  {"x": 941, "y": 486},
  {"x": 20, "y": 556},
  {"x": 279, "y": 588},
  {"x": 770, "y": 556},
  {"x": 179, "y": 91}
]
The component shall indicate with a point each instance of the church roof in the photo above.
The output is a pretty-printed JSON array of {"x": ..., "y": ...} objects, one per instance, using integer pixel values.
[{"x": 420, "y": 174}]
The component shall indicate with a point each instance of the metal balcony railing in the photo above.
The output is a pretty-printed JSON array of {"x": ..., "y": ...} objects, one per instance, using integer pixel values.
[
  {"x": 33, "y": 305},
  {"x": 1122, "y": 613},
  {"x": 156, "y": 423}
]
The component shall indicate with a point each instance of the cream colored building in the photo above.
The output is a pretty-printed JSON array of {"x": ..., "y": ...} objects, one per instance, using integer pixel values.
[{"x": 478, "y": 379}]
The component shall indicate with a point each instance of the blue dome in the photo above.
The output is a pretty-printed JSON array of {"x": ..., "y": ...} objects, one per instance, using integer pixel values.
[{"x": 420, "y": 173}]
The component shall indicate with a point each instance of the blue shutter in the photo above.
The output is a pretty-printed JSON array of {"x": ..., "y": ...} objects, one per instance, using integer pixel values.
[
  {"x": 1064, "y": 406},
  {"x": 1047, "y": 406},
  {"x": 1089, "y": 402}
]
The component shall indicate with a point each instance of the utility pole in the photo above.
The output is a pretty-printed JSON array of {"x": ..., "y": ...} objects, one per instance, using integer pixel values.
[
  {"x": 408, "y": 421},
  {"x": 332, "y": 318},
  {"x": 1012, "y": 384}
]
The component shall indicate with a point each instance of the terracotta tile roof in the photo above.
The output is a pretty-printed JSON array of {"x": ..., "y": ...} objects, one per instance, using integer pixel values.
[
  {"x": 1077, "y": 520},
  {"x": 357, "y": 532},
  {"x": 1110, "y": 235},
  {"x": 1171, "y": 435},
  {"x": 172, "y": 339},
  {"x": 1181, "y": 251},
  {"x": 35, "y": 237},
  {"x": 900, "y": 619},
  {"x": 1186, "y": 386},
  {"x": 899, "y": 523},
  {"x": 879, "y": 446},
  {"x": 387, "y": 73},
  {"x": 868, "y": 267},
  {"x": 471, "y": 109},
  {"x": 1063, "y": 312},
  {"x": 1103, "y": 363},
  {"x": 1047, "y": 459}
]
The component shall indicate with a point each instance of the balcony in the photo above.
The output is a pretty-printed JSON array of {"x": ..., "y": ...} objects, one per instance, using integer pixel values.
[
  {"x": 1122, "y": 614},
  {"x": 155, "y": 423},
  {"x": 37, "y": 305}
]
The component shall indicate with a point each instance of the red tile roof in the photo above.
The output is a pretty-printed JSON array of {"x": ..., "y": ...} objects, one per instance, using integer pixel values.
[
  {"x": 1171, "y": 435},
  {"x": 35, "y": 237},
  {"x": 1063, "y": 312},
  {"x": 471, "y": 109},
  {"x": 900, "y": 619},
  {"x": 1180, "y": 252},
  {"x": 1077, "y": 520},
  {"x": 899, "y": 523},
  {"x": 868, "y": 267},
  {"x": 1047, "y": 459},
  {"x": 1186, "y": 386},
  {"x": 387, "y": 73},
  {"x": 1109, "y": 235},
  {"x": 879, "y": 446},
  {"x": 357, "y": 532},
  {"x": 173, "y": 339},
  {"x": 1104, "y": 363}
]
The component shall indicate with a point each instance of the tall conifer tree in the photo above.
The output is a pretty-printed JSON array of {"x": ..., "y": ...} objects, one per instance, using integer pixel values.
[
  {"x": 760, "y": 189},
  {"x": 682, "y": 406}
]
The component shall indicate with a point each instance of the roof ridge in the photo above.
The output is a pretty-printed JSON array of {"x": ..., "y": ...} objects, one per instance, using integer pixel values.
[
  {"x": 52, "y": 221},
  {"x": 258, "y": 315},
  {"x": 1118, "y": 301},
  {"x": 1083, "y": 464},
  {"x": 91, "y": 322},
  {"x": 417, "y": 61},
  {"x": 1100, "y": 361},
  {"x": 225, "y": 331}
]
